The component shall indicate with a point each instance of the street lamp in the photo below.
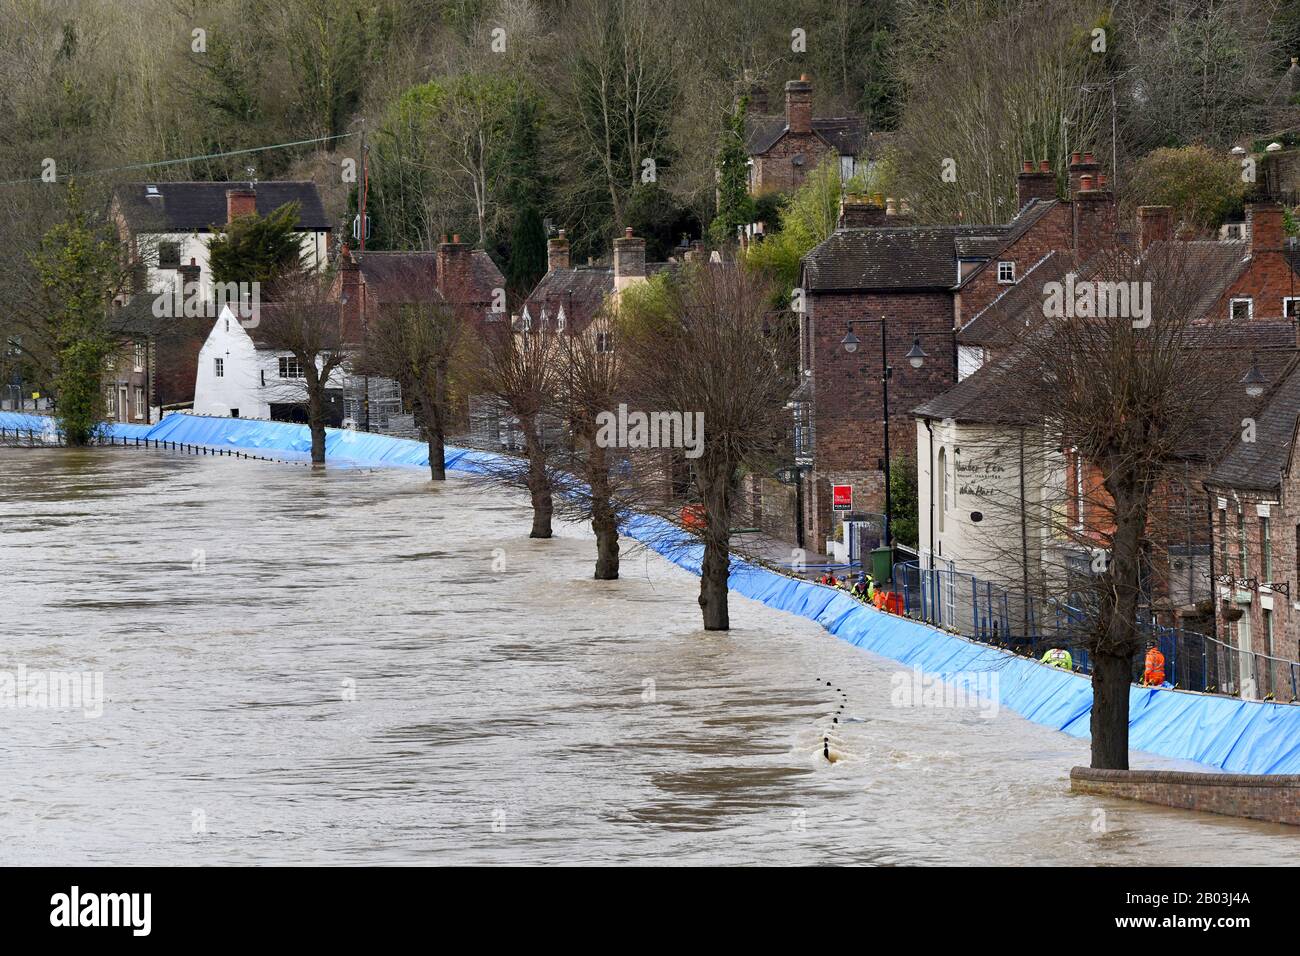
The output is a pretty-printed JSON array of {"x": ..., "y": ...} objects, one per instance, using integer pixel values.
[
  {"x": 1254, "y": 379},
  {"x": 916, "y": 355}
]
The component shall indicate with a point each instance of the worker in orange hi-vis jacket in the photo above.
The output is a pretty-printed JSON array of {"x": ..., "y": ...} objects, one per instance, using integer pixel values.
[{"x": 1155, "y": 666}]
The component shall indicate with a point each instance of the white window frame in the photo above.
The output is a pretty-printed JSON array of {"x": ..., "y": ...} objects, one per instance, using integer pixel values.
[
  {"x": 604, "y": 341},
  {"x": 139, "y": 356},
  {"x": 139, "y": 401},
  {"x": 1250, "y": 307},
  {"x": 219, "y": 366},
  {"x": 1011, "y": 268},
  {"x": 288, "y": 363}
]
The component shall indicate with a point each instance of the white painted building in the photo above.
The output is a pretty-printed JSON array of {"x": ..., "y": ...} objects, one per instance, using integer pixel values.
[{"x": 241, "y": 377}]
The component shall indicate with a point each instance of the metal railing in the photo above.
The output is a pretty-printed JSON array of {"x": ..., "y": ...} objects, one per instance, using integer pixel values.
[
  {"x": 28, "y": 437},
  {"x": 992, "y": 614}
]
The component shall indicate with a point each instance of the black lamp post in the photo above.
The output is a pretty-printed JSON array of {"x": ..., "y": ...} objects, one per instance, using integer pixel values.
[{"x": 916, "y": 357}]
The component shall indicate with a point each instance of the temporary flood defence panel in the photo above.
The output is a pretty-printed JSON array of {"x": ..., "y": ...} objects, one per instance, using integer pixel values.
[{"x": 1234, "y": 735}]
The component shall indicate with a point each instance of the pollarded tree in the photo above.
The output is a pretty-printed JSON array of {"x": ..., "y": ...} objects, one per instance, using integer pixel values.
[{"x": 712, "y": 350}]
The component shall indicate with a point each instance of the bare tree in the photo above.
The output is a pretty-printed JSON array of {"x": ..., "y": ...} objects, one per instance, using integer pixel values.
[
  {"x": 1090, "y": 429},
  {"x": 712, "y": 353},
  {"x": 516, "y": 363},
  {"x": 308, "y": 325},
  {"x": 416, "y": 344}
]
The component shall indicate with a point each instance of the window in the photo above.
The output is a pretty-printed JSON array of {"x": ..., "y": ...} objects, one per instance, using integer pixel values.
[
  {"x": 169, "y": 255},
  {"x": 1234, "y": 230},
  {"x": 290, "y": 367},
  {"x": 110, "y": 402},
  {"x": 604, "y": 341},
  {"x": 1291, "y": 307},
  {"x": 139, "y": 402},
  {"x": 140, "y": 356},
  {"x": 1223, "y": 540},
  {"x": 1241, "y": 542},
  {"x": 263, "y": 378},
  {"x": 1265, "y": 551},
  {"x": 1240, "y": 310},
  {"x": 846, "y": 168},
  {"x": 1006, "y": 272},
  {"x": 1078, "y": 491},
  {"x": 219, "y": 367},
  {"x": 942, "y": 468},
  {"x": 1268, "y": 632}
]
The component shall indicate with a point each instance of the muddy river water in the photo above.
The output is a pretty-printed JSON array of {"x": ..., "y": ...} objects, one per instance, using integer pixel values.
[{"x": 357, "y": 666}]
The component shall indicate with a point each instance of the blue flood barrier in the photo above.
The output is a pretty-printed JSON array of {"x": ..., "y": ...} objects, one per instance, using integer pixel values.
[{"x": 1234, "y": 735}]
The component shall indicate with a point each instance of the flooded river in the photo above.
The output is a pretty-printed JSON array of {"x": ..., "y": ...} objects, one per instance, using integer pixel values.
[{"x": 364, "y": 667}]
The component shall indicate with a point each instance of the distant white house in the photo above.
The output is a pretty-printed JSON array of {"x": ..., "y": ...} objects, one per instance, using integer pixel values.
[{"x": 241, "y": 376}]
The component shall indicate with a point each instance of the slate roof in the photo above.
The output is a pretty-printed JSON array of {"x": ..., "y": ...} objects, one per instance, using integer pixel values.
[
  {"x": 910, "y": 257},
  {"x": 196, "y": 207},
  {"x": 581, "y": 290},
  {"x": 1260, "y": 465},
  {"x": 412, "y": 276},
  {"x": 845, "y": 134},
  {"x": 1005, "y": 319}
]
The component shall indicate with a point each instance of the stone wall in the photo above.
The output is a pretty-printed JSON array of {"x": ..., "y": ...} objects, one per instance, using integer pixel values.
[{"x": 1274, "y": 798}]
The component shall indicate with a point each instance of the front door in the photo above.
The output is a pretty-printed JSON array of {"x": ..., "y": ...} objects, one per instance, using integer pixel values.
[{"x": 1246, "y": 665}]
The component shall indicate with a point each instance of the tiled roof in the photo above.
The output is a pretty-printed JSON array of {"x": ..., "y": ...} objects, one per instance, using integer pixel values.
[
  {"x": 412, "y": 276},
  {"x": 197, "y": 207},
  {"x": 1260, "y": 464},
  {"x": 892, "y": 257},
  {"x": 1006, "y": 318},
  {"x": 845, "y": 134}
]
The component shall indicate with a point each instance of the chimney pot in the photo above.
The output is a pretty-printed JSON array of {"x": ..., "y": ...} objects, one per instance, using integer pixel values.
[
  {"x": 627, "y": 233},
  {"x": 455, "y": 237},
  {"x": 1085, "y": 182},
  {"x": 1044, "y": 166},
  {"x": 1076, "y": 159},
  {"x": 1088, "y": 158},
  {"x": 1027, "y": 166}
]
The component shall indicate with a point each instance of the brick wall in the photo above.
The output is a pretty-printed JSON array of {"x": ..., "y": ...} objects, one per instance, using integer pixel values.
[
  {"x": 774, "y": 171},
  {"x": 847, "y": 389},
  {"x": 1052, "y": 232},
  {"x": 1272, "y": 797}
]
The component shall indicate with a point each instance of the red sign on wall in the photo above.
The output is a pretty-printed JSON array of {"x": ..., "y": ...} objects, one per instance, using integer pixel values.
[{"x": 842, "y": 497}]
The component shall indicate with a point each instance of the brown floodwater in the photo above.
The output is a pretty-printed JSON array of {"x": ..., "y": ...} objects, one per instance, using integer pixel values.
[{"x": 357, "y": 666}]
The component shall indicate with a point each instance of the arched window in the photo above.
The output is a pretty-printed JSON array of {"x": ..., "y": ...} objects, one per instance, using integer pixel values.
[{"x": 942, "y": 467}]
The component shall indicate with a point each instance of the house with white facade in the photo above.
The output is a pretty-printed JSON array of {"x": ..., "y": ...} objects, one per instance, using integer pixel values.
[
  {"x": 167, "y": 227},
  {"x": 241, "y": 375}
]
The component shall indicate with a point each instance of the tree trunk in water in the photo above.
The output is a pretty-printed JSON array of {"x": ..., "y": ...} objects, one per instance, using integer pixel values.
[
  {"x": 434, "y": 437},
  {"x": 1117, "y": 640},
  {"x": 316, "y": 422},
  {"x": 1111, "y": 677},
  {"x": 715, "y": 480},
  {"x": 604, "y": 521},
  {"x": 539, "y": 482}
]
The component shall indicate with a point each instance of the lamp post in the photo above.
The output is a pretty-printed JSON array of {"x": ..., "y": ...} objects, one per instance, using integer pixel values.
[
  {"x": 1254, "y": 379},
  {"x": 916, "y": 357}
]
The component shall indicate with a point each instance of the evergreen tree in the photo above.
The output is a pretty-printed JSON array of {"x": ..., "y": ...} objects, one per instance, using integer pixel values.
[
  {"x": 735, "y": 205},
  {"x": 527, "y": 261},
  {"x": 77, "y": 273},
  {"x": 257, "y": 248}
]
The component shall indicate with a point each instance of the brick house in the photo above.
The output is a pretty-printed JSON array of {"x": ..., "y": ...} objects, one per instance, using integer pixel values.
[
  {"x": 1254, "y": 502},
  {"x": 928, "y": 282},
  {"x": 784, "y": 147},
  {"x": 166, "y": 228}
]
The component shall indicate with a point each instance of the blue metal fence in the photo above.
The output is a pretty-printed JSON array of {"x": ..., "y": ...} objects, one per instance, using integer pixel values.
[{"x": 983, "y": 611}]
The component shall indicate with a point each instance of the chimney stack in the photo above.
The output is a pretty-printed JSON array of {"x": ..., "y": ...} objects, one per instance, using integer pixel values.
[
  {"x": 857, "y": 212},
  {"x": 1082, "y": 165},
  {"x": 1155, "y": 224},
  {"x": 557, "y": 252},
  {"x": 629, "y": 260},
  {"x": 1264, "y": 225},
  {"x": 454, "y": 262},
  {"x": 798, "y": 105},
  {"x": 1034, "y": 184},
  {"x": 1095, "y": 222},
  {"x": 240, "y": 202}
]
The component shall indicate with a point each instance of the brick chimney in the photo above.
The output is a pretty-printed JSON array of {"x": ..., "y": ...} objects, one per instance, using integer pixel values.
[
  {"x": 454, "y": 261},
  {"x": 351, "y": 292},
  {"x": 1264, "y": 225},
  {"x": 1095, "y": 219},
  {"x": 629, "y": 260},
  {"x": 1082, "y": 164},
  {"x": 557, "y": 252},
  {"x": 1034, "y": 183},
  {"x": 857, "y": 212},
  {"x": 240, "y": 202},
  {"x": 1155, "y": 224},
  {"x": 798, "y": 105}
]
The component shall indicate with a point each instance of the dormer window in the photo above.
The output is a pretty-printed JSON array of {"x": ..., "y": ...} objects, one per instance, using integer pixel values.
[
  {"x": 1006, "y": 272},
  {"x": 1241, "y": 310}
]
